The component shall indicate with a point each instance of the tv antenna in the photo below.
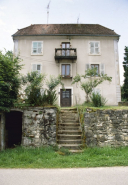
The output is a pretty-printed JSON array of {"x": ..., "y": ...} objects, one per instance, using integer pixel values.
[
  {"x": 78, "y": 19},
  {"x": 48, "y": 6}
]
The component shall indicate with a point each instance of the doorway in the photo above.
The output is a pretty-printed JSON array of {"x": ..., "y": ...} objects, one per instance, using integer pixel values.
[
  {"x": 13, "y": 129},
  {"x": 65, "y": 98}
]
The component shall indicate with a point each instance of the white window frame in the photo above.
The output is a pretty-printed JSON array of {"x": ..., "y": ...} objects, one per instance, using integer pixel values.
[
  {"x": 41, "y": 53},
  {"x": 39, "y": 71},
  {"x": 94, "y": 53},
  {"x": 70, "y": 68}
]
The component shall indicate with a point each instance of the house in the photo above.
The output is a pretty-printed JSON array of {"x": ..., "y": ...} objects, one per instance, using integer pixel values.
[{"x": 70, "y": 49}]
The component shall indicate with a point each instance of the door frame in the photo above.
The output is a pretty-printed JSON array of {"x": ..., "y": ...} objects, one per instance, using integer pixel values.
[{"x": 71, "y": 94}]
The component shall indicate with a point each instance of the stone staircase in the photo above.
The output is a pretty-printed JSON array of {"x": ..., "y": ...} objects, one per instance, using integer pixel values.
[{"x": 69, "y": 130}]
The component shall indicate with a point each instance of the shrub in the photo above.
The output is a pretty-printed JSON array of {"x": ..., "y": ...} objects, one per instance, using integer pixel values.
[
  {"x": 98, "y": 100},
  {"x": 34, "y": 83}
]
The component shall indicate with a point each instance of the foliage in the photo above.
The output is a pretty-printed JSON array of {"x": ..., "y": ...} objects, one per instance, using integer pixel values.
[
  {"x": 98, "y": 100},
  {"x": 90, "y": 80},
  {"x": 49, "y": 97},
  {"x": 125, "y": 66},
  {"x": 47, "y": 157},
  {"x": 52, "y": 83},
  {"x": 9, "y": 80},
  {"x": 34, "y": 83}
]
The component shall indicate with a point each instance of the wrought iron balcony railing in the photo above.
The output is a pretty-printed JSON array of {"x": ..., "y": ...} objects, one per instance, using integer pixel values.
[{"x": 65, "y": 53}]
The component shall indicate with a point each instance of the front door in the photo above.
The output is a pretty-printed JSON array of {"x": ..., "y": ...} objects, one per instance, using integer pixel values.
[{"x": 65, "y": 98}]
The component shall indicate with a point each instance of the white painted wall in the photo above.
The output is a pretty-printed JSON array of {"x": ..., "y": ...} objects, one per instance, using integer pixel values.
[{"x": 107, "y": 57}]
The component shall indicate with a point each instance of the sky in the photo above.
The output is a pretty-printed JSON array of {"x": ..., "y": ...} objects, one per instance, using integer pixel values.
[{"x": 17, "y": 14}]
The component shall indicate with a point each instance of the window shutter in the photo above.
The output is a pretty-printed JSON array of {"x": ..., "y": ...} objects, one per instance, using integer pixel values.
[
  {"x": 16, "y": 47},
  {"x": 102, "y": 69},
  {"x": 34, "y": 67},
  {"x": 91, "y": 47},
  {"x": 87, "y": 66}
]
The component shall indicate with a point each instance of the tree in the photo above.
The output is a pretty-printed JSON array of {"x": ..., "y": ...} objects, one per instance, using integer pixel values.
[
  {"x": 52, "y": 83},
  {"x": 90, "y": 80},
  {"x": 125, "y": 66},
  {"x": 9, "y": 80}
]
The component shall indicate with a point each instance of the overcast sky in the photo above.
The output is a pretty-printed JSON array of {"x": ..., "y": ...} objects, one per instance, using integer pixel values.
[{"x": 17, "y": 14}]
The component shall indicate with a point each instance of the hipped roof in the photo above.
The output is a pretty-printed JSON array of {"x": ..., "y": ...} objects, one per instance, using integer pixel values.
[{"x": 65, "y": 29}]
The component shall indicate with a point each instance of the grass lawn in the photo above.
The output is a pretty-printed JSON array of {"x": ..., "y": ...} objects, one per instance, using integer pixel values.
[{"x": 48, "y": 157}]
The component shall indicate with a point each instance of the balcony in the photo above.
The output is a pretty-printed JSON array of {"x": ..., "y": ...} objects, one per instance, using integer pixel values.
[{"x": 65, "y": 53}]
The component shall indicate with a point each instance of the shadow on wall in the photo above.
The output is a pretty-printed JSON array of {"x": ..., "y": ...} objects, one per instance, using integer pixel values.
[{"x": 13, "y": 129}]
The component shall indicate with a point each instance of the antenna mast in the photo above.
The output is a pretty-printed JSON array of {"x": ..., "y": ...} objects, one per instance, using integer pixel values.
[
  {"x": 48, "y": 10},
  {"x": 78, "y": 19}
]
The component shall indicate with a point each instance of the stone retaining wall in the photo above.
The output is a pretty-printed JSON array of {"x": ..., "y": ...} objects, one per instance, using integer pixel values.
[
  {"x": 39, "y": 127},
  {"x": 106, "y": 128}
]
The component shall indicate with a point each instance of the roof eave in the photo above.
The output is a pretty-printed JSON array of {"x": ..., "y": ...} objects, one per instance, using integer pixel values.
[{"x": 98, "y": 35}]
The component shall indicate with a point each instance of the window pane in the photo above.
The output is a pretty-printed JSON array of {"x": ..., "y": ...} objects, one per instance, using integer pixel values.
[
  {"x": 34, "y": 50},
  {"x": 67, "y": 94},
  {"x": 92, "y": 66},
  {"x": 67, "y": 45},
  {"x": 38, "y": 67},
  {"x": 68, "y": 70},
  {"x": 97, "y": 66},
  {"x": 63, "y": 70},
  {"x": 92, "y": 44},
  {"x": 63, "y": 45},
  {"x": 96, "y": 44},
  {"x": 63, "y": 94},
  {"x": 39, "y": 50},
  {"x": 39, "y": 44},
  {"x": 34, "y": 44},
  {"x": 96, "y": 50}
]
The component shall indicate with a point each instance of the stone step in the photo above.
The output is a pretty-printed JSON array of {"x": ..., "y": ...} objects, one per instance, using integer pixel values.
[
  {"x": 69, "y": 124},
  {"x": 68, "y": 117},
  {"x": 68, "y": 110},
  {"x": 77, "y": 141},
  {"x": 69, "y": 120},
  {"x": 68, "y": 136},
  {"x": 71, "y": 146},
  {"x": 69, "y": 128},
  {"x": 74, "y": 132}
]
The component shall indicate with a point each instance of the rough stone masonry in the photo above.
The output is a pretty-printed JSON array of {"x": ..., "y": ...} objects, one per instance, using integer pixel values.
[
  {"x": 106, "y": 128},
  {"x": 39, "y": 127}
]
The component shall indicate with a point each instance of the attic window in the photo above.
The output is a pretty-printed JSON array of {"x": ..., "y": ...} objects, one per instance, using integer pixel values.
[{"x": 37, "y": 47}]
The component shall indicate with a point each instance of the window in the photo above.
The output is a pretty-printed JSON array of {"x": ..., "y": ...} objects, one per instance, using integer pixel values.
[
  {"x": 100, "y": 67},
  {"x": 36, "y": 67},
  {"x": 37, "y": 47},
  {"x": 65, "y": 45},
  {"x": 95, "y": 47},
  {"x": 65, "y": 70},
  {"x": 95, "y": 66}
]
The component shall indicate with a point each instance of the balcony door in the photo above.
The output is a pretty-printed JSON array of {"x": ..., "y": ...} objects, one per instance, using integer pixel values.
[
  {"x": 65, "y": 98},
  {"x": 65, "y": 46}
]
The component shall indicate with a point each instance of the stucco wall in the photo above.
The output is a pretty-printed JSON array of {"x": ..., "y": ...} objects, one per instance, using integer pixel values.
[
  {"x": 108, "y": 56},
  {"x": 106, "y": 128}
]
